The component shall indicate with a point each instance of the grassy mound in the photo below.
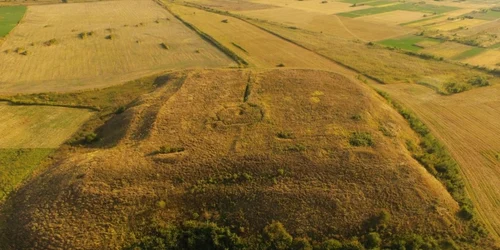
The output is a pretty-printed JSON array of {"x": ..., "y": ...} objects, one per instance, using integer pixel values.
[{"x": 235, "y": 158}]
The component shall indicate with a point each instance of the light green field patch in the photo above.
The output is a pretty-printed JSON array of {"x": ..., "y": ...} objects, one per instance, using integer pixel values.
[
  {"x": 410, "y": 43},
  {"x": 469, "y": 53},
  {"x": 9, "y": 17},
  {"x": 425, "y": 8},
  {"x": 379, "y": 3},
  {"x": 38, "y": 126},
  {"x": 16, "y": 165}
]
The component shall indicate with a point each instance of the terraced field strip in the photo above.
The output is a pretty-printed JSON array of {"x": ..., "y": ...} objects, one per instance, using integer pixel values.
[
  {"x": 256, "y": 46},
  {"x": 426, "y": 8},
  {"x": 54, "y": 50},
  {"x": 468, "y": 124},
  {"x": 10, "y": 17},
  {"x": 407, "y": 43}
]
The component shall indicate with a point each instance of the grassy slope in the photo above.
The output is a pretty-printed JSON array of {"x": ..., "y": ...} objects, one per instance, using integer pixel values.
[
  {"x": 9, "y": 17},
  {"x": 38, "y": 126},
  {"x": 17, "y": 164},
  {"x": 314, "y": 181}
]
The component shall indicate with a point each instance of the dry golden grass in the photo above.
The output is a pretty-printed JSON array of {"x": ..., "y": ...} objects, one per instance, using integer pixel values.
[
  {"x": 258, "y": 47},
  {"x": 468, "y": 124},
  {"x": 138, "y": 27},
  {"x": 446, "y": 49},
  {"x": 332, "y": 7},
  {"x": 489, "y": 59},
  {"x": 38, "y": 126},
  {"x": 315, "y": 182},
  {"x": 343, "y": 27},
  {"x": 393, "y": 17},
  {"x": 456, "y": 24}
]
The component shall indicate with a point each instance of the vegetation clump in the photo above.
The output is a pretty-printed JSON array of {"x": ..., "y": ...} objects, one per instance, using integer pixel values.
[
  {"x": 110, "y": 37},
  {"x": 479, "y": 81},
  {"x": 361, "y": 139},
  {"x": 455, "y": 88},
  {"x": 51, "y": 42},
  {"x": 285, "y": 135},
  {"x": 169, "y": 150},
  {"x": 164, "y": 46},
  {"x": 84, "y": 35}
]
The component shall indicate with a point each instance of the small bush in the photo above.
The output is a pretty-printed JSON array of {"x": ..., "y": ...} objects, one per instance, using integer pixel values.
[
  {"x": 454, "y": 88},
  {"x": 51, "y": 42},
  {"x": 356, "y": 117},
  {"x": 373, "y": 240},
  {"x": 120, "y": 110},
  {"x": 479, "y": 81},
  {"x": 276, "y": 236},
  {"x": 361, "y": 139},
  {"x": 164, "y": 46},
  {"x": 281, "y": 65},
  {"x": 331, "y": 245},
  {"x": 466, "y": 213},
  {"x": 285, "y": 135},
  {"x": 301, "y": 244},
  {"x": 110, "y": 37},
  {"x": 225, "y": 21},
  {"x": 84, "y": 35},
  {"x": 90, "y": 138}
]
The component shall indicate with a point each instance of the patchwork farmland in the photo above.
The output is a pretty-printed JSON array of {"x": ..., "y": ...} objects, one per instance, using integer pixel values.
[{"x": 249, "y": 124}]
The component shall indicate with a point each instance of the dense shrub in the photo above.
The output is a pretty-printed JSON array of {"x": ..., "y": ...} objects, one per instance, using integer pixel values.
[
  {"x": 479, "y": 81},
  {"x": 301, "y": 244},
  {"x": 192, "y": 235},
  {"x": 359, "y": 139},
  {"x": 454, "y": 88},
  {"x": 276, "y": 236},
  {"x": 373, "y": 240},
  {"x": 331, "y": 245}
]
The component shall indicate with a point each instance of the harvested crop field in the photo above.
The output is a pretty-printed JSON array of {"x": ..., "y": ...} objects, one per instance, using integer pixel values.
[
  {"x": 468, "y": 125},
  {"x": 38, "y": 126},
  {"x": 259, "y": 48},
  {"x": 447, "y": 49},
  {"x": 343, "y": 27},
  {"x": 488, "y": 58},
  {"x": 394, "y": 17},
  {"x": 53, "y": 50},
  {"x": 330, "y": 7},
  {"x": 424, "y": 8},
  {"x": 459, "y": 24}
]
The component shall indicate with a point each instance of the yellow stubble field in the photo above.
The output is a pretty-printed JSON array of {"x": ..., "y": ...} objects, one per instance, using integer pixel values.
[{"x": 68, "y": 47}]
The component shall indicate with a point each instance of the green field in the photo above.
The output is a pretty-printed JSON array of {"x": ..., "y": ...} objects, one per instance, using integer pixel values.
[
  {"x": 490, "y": 15},
  {"x": 469, "y": 53},
  {"x": 9, "y": 17},
  {"x": 406, "y": 43},
  {"x": 427, "y": 8},
  {"x": 16, "y": 165},
  {"x": 380, "y": 2}
]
